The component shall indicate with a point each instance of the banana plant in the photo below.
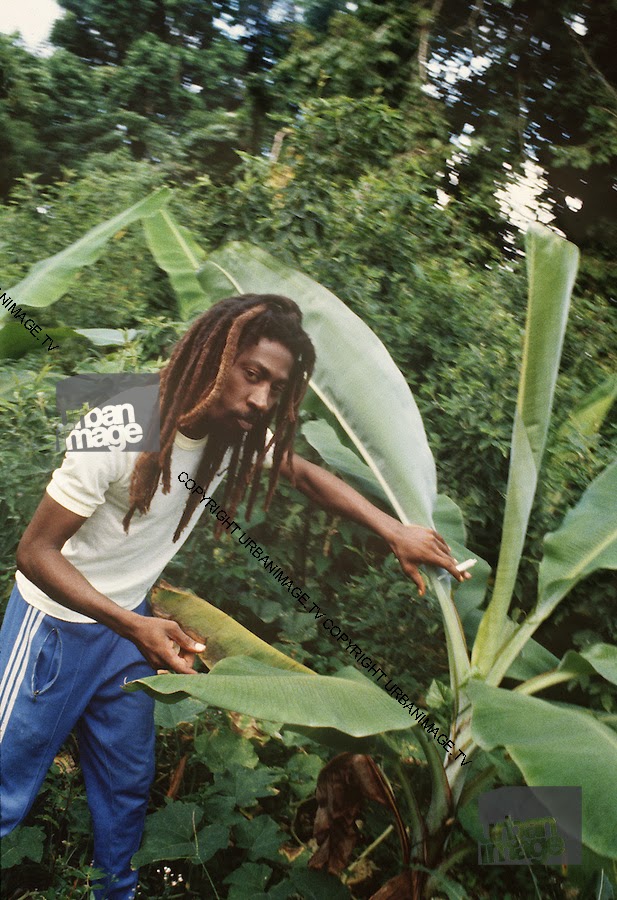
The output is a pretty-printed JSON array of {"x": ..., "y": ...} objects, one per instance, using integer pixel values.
[
  {"x": 362, "y": 392},
  {"x": 358, "y": 390}
]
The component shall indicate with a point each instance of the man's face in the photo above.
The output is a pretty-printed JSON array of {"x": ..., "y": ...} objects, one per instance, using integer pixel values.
[{"x": 253, "y": 386}]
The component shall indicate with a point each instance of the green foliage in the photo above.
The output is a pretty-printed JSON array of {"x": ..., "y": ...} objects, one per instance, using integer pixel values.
[
  {"x": 22, "y": 843},
  {"x": 26, "y": 408},
  {"x": 173, "y": 833},
  {"x": 349, "y": 196}
]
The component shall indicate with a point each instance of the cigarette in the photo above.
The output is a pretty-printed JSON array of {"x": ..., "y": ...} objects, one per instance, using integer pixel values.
[{"x": 462, "y": 567}]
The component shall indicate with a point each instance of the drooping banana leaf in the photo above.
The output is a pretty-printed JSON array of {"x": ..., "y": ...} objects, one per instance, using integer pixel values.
[
  {"x": 551, "y": 269},
  {"x": 48, "y": 279},
  {"x": 222, "y": 635},
  {"x": 554, "y": 745}
]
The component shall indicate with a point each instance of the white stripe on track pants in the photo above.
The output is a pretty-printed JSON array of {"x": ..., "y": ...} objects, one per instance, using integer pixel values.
[{"x": 56, "y": 676}]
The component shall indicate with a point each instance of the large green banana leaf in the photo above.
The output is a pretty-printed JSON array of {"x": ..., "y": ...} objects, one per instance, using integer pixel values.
[
  {"x": 357, "y": 380},
  {"x": 554, "y": 745},
  {"x": 225, "y": 638},
  {"x": 355, "y": 376},
  {"x": 585, "y": 542},
  {"x": 49, "y": 279},
  {"x": 347, "y": 702},
  {"x": 551, "y": 269}
]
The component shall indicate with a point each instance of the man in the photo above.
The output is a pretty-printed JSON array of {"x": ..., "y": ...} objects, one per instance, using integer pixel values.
[{"x": 77, "y": 625}]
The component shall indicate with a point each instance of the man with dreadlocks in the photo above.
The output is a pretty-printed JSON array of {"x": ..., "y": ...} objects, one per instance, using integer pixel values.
[{"x": 77, "y": 625}]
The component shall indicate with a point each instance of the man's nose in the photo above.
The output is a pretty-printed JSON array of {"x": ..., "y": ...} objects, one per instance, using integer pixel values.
[{"x": 260, "y": 397}]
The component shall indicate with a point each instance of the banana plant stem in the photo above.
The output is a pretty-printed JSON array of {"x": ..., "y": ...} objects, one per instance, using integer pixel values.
[
  {"x": 547, "y": 679},
  {"x": 382, "y": 837}
]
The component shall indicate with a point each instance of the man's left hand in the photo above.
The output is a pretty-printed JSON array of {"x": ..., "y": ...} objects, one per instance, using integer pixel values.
[{"x": 413, "y": 545}]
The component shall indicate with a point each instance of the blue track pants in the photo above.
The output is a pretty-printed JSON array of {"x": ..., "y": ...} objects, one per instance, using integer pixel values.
[{"x": 57, "y": 676}]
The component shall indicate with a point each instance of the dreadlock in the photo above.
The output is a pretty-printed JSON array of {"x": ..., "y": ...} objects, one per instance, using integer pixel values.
[{"x": 198, "y": 368}]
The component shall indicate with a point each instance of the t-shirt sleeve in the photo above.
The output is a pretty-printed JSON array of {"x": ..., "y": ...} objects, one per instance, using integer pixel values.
[{"x": 83, "y": 478}]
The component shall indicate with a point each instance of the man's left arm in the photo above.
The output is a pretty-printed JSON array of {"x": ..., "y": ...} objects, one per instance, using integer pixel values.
[{"x": 411, "y": 544}]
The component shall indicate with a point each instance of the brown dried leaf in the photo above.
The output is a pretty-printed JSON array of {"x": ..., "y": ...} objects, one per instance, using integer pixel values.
[
  {"x": 222, "y": 635},
  {"x": 248, "y": 727},
  {"x": 176, "y": 778},
  {"x": 342, "y": 787}
]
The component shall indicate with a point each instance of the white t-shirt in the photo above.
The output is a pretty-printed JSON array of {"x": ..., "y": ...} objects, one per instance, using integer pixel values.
[{"x": 122, "y": 566}]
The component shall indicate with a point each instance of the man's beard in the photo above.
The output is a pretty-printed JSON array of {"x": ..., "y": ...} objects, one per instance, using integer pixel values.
[{"x": 230, "y": 429}]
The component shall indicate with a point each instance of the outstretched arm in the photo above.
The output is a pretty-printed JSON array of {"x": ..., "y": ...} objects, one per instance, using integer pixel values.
[{"x": 411, "y": 544}]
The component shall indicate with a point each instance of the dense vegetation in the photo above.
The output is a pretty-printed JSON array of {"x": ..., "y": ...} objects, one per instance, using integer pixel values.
[{"x": 350, "y": 143}]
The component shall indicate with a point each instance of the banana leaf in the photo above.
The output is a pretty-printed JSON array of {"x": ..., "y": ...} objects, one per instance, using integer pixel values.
[
  {"x": 359, "y": 383},
  {"x": 222, "y": 635},
  {"x": 346, "y": 702},
  {"x": 554, "y": 745},
  {"x": 585, "y": 542},
  {"x": 586, "y": 419},
  {"x": 355, "y": 376},
  {"x": 599, "y": 659},
  {"x": 177, "y": 253},
  {"x": 16, "y": 341},
  {"x": 48, "y": 279},
  {"x": 551, "y": 269}
]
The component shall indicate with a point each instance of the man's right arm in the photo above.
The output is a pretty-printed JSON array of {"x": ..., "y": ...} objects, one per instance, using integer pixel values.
[{"x": 40, "y": 560}]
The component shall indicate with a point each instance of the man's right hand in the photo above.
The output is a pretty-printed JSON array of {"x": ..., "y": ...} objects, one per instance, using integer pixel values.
[{"x": 159, "y": 640}]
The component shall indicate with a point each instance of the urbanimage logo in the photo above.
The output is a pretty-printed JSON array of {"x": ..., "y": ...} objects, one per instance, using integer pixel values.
[
  {"x": 101, "y": 412},
  {"x": 525, "y": 825}
]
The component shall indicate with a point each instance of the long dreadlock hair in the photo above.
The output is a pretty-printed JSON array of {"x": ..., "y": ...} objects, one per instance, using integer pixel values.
[{"x": 198, "y": 368}]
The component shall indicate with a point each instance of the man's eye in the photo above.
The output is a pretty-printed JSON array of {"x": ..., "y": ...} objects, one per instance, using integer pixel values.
[{"x": 252, "y": 376}]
